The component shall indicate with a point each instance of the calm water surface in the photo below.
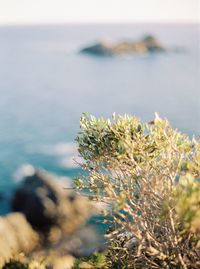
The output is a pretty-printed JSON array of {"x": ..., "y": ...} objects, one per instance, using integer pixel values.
[{"x": 45, "y": 85}]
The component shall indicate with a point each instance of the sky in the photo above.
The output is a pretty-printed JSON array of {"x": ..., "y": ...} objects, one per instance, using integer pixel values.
[{"x": 98, "y": 11}]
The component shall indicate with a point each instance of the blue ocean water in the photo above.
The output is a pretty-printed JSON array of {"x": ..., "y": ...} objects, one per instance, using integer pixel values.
[{"x": 45, "y": 85}]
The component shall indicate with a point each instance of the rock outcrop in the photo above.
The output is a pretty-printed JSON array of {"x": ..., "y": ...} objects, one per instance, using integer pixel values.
[
  {"x": 48, "y": 219},
  {"x": 148, "y": 44},
  {"x": 16, "y": 235},
  {"x": 48, "y": 206}
]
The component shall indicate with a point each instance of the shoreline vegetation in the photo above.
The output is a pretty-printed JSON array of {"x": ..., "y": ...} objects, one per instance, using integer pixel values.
[{"x": 146, "y": 176}]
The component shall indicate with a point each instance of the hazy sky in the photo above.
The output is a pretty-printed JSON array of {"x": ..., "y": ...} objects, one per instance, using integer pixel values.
[{"x": 63, "y": 11}]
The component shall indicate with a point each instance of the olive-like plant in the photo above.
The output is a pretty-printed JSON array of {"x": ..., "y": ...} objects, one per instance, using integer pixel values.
[{"x": 148, "y": 174}]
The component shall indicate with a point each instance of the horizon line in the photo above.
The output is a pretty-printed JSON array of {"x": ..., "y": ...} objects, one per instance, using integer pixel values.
[{"x": 11, "y": 24}]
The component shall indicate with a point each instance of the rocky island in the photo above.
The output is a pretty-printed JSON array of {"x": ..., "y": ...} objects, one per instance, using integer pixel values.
[{"x": 148, "y": 44}]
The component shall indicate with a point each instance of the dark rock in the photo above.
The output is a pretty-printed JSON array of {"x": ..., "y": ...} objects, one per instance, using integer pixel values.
[
  {"x": 148, "y": 44},
  {"x": 58, "y": 215},
  {"x": 101, "y": 48},
  {"x": 152, "y": 44},
  {"x": 49, "y": 207}
]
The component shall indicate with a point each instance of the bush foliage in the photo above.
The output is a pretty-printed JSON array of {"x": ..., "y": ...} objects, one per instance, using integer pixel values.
[{"x": 147, "y": 174}]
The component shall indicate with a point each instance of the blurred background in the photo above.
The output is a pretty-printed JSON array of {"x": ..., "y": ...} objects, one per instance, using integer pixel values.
[{"x": 46, "y": 83}]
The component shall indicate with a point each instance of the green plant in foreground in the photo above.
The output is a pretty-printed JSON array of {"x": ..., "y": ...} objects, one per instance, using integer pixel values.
[
  {"x": 13, "y": 264},
  {"x": 188, "y": 203},
  {"x": 20, "y": 262},
  {"x": 147, "y": 174},
  {"x": 96, "y": 261}
]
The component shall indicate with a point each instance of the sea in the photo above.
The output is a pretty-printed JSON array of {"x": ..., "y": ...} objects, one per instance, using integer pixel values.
[{"x": 46, "y": 84}]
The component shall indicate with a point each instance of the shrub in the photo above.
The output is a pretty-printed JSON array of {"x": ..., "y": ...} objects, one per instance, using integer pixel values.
[
  {"x": 147, "y": 173},
  {"x": 94, "y": 261},
  {"x": 22, "y": 262},
  {"x": 15, "y": 265}
]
